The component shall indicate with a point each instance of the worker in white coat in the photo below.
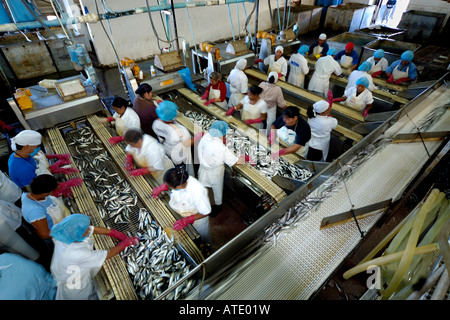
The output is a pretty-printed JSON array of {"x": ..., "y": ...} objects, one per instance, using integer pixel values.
[
  {"x": 189, "y": 198},
  {"x": 276, "y": 62},
  {"x": 124, "y": 118},
  {"x": 148, "y": 154},
  {"x": 75, "y": 263},
  {"x": 273, "y": 96},
  {"x": 174, "y": 137},
  {"x": 321, "y": 125},
  {"x": 213, "y": 155},
  {"x": 254, "y": 108},
  {"x": 238, "y": 83},
  {"x": 361, "y": 72},
  {"x": 358, "y": 97},
  {"x": 324, "y": 68},
  {"x": 379, "y": 63},
  {"x": 298, "y": 67}
]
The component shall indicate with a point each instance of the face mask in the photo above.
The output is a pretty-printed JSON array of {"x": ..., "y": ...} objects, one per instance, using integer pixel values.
[{"x": 35, "y": 151}]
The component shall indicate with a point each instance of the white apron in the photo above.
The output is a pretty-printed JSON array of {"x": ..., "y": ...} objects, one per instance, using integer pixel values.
[
  {"x": 355, "y": 102},
  {"x": 277, "y": 67},
  {"x": 376, "y": 66},
  {"x": 213, "y": 178},
  {"x": 400, "y": 74},
  {"x": 271, "y": 117},
  {"x": 317, "y": 50},
  {"x": 319, "y": 84},
  {"x": 215, "y": 94},
  {"x": 121, "y": 127},
  {"x": 346, "y": 64},
  {"x": 141, "y": 162},
  {"x": 57, "y": 211},
  {"x": 251, "y": 111},
  {"x": 42, "y": 164}
]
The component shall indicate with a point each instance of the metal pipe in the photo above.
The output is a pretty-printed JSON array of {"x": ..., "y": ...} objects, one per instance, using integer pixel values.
[
  {"x": 256, "y": 24},
  {"x": 94, "y": 18}
]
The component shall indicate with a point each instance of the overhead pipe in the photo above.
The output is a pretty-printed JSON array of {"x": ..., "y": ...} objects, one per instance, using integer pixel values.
[{"x": 94, "y": 18}]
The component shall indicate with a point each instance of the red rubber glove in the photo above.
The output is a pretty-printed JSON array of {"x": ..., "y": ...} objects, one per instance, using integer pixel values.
[
  {"x": 338, "y": 99},
  {"x": 158, "y": 190},
  {"x": 110, "y": 119},
  {"x": 59, "y": 163},
  {"x": 272, "y": 137},
  {"x": 390, "y": 79},
  {"x": 330, "y": 97},
  {"x": 278, "y": 154},
  {"x": 252, "y": 121},
  {"x": 64, "y": 187},
  {"x": 207, "y": 103},
  {"x": 198, "y": 136},
  {"x": 58, "y": 156},
  {"x": 129, "y": 164},
  {"x": 399, "y": 81},
  {"x": 365, "y": 113},
  {"x": 280, "y": 75},
  {"x": 258, "y": 61},
  {"x": 139, "y": 172},
  {"x": 205, "y": 95},
  {"x": 114, "y": 140},
  {"x": 5, "y": 127},
  {"x": 376, "y": 74},
  {"x": 183, "y": 223},
  {"x": 117, "y": 234},
  {"x": 231, "y": 111},
  {"x": 249, "y": 159},
  {"x": 129, "y": 242}
]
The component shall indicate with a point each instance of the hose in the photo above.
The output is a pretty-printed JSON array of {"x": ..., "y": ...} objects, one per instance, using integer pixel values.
[{"x": 231, "y": 21}]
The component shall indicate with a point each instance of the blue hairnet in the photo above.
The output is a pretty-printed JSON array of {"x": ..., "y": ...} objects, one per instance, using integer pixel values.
[
  {"x": 71, "y": 228},
  {"x": 218, "y": 128},
  {"x": 378, "y": 54},
  {"x": 365, "y": 66},
  {"x": 303, "y": 49},
  {"x": 407, "y": 55},
  {"x": 167, "y": 110},
  {"x": 364, "y": 81},
  {"x": 331, "y": 52}
]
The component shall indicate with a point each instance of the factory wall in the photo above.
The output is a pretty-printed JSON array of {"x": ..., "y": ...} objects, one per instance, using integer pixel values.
[{"x": 133, "y": 36}]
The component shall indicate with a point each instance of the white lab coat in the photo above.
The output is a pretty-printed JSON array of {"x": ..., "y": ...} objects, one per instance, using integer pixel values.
[
  {"x": 152, "y": 154},
  {"x": 74, "y": 267},
  {"x": 358, "y": 102},
  {"x": 321, "y": 127},
  {"x": 380, "y": 65},
  {"x": 238, "y": 86},
  {"x": 320, "y": 80},
  {"x": 253, "y": 111},
  {"x": 191, "y": 200},
  {"x": 9, "y": 191},
  {"x": 213, "y": 155},
  {"x": 171, "y": 136},
  {"x": 129, "y": 120},
  {"x": 355, "y": 75},
  {"x": 279, "y": 66},
  {"x": 298, "y": 69}
]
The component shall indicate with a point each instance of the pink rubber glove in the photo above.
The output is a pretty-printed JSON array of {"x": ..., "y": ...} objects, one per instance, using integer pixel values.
[
  {"x": 376, "y": 74},
  {"x": 110, "y": 119},
  {"x": 207, "y": 103},
  {"x": 249, "y": 159},
  {"x": 365, "y": 113},
  {"x": 58, "y": 156},
  {"x": 330, "y": 97},
  {"x": 129, "y": 242},
  {"x": 272, "y": 137},
  {"x": 231, "y": 111},
  {"x": 5, "y": 127},
  {"x": 139, "y": 172},
  {"x": 399, "y": 81},
  {"x": 280, "y": 75},
  {"x": 390, "y": 79},
  {"x": 183, "y": 223},
  {"x": 129, "y": 164},
  {"x": 114, "y": 140},
  {"x": 117, "y": 234},
  {"x": 338, "y": 99},
  {"x": 64, "y": 187},
  {"x": 59, "y": 163},
  {"x": 258, "y": 61},
  {"x": 252, "y": 121},
  {"x": 158, "y": 190},
  {"x": 278, "y": 154},
  {"x": 198, "y": 136}
]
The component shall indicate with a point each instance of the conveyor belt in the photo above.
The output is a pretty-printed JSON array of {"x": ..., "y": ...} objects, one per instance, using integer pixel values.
[
  {"x": 304, "y": 256},
  {"x": 157, "y": 208},
  {"x": 115, "y": 268}
]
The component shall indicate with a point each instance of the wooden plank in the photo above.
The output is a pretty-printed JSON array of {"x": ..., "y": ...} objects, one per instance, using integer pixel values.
[
  {"x": 416, "y": 137},
  {"x": 308, "y": 95}
]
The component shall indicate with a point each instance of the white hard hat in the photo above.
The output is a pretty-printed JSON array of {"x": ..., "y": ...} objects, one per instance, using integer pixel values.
[{"x": 323, "y": 36}]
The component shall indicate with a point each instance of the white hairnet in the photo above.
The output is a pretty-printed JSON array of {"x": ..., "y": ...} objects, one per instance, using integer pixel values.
[
  {"x": 320, "y": 106},
  {"x": 274, "y": 74},
  {"x": 241, "y": 64},
  {"x": 279, "y": 48},
  {"x": 323, "y": 36},
  {"x": 26, "y": 137}
]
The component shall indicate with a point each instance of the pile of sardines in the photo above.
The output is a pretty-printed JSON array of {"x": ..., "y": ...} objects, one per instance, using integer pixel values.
[
  {"x": 155, "y": 263},
  {"x": 241, "y": 144}
]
